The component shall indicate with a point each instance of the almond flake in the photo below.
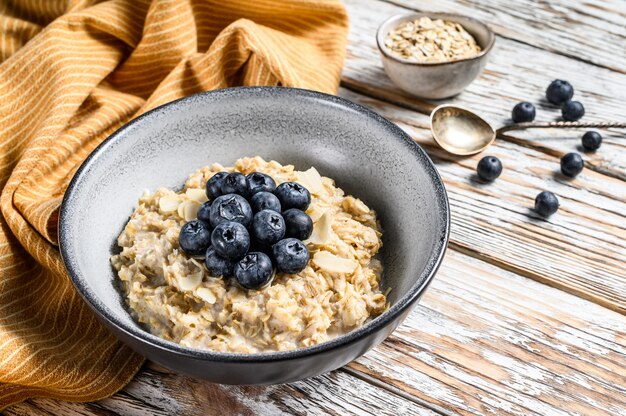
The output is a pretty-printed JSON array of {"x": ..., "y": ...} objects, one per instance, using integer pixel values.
[
  {"x": 196, "y": 194},
  {"x": 322, "y": 229},
  {"x": 206, "y": 295},
  {"x": 311, "y": 180},
  {"x": 169, "y": 203},
  {"x": 188, "y": 210},
  {"x": 191, "y": 281},
  {"x": 315, "y": 212},
  {"x": 333, "y": 264}
]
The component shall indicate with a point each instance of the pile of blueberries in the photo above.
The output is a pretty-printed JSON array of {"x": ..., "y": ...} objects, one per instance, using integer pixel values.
[
  {"x": 559, "y": 93},
  {"x": 250, "y": 226}
]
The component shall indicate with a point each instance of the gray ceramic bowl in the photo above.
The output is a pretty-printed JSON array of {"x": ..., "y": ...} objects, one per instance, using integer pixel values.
[
  {"x": 368, "y": 156},
  {"x": 435, "y": 80}
]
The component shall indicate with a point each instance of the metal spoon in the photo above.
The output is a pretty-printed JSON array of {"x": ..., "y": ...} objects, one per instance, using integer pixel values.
[{"x": 462, "y": 132}]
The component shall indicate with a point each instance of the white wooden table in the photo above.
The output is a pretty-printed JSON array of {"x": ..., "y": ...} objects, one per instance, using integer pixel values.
[{"x": 525, "y": 316}]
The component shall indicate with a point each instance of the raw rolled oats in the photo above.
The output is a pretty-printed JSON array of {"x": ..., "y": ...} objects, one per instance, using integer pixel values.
[{"x": 431, "y": 41}]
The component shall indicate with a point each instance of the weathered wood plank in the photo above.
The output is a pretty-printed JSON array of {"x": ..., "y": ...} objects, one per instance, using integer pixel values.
[
  {"x": 581, "y": 249},
  {"x": 159, "y": 392},
  {"x": 483, "y": 341},
  {"x": 516, "y": 72},
  {"x": 50, "y": 407},
  {"x": 487, "y": 341},
  {"x": 594, "y": 30}
]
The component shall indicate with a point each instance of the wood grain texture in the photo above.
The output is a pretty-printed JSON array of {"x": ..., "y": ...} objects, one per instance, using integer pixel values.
[
  {"x": 487, "y": 341},
  {"x": 486, "y": 338},
  {"x": 588, "y": 31},
  {"x": 516, "y": 72},
  {"x": 581, "y": 249},
  {"x": 483, "y": 341},
  {"x": 159, "y": 392}
]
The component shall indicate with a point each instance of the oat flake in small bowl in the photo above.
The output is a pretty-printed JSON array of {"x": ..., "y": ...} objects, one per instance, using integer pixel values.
[
  {"x": 431, "y": 41},
  {"x": 433, "y": 55}
]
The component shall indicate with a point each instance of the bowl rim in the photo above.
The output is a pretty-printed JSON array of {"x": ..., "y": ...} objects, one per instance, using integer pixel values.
[
  {"x": 373, "y": 326},
  {"x": 439, "y": 15}
]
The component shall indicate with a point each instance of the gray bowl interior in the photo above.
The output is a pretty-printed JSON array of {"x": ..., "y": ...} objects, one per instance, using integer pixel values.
[{"x": 367, "y": 156}]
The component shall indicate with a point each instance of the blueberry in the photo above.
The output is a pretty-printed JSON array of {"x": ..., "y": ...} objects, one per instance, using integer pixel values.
[
  {"x": 293, "y": 195},
  {"x": 571, "y": 164},
  {"x": 291, "y": 255},
  {"x": 235, "y": 183},
  {"x": 204, "y": 213},
  {"x": 230, "y": 207},
  {"x": 522, "y": 112},
  {"x": 231, "y": 240},
  {"x": 218, "y": 265},
  {"x": 254, "y": 271},
  {"x": 546, "y": 204},
  {"x": 489, "y": 168},
  {"x": 268, "y": 227},
  {"x": 255, "y": 246},
  {"x": 214, "y": 185},
  {"x": 592, "y": 140},
  {"x": 264, "y": 200},
  {"x": 194, "y": 238},
  {"x": 559, "y": 92},
  {"x": 260, "y": 182},
  {"x": 299, "y": 225},
  {"x": 572, "y": 111}
]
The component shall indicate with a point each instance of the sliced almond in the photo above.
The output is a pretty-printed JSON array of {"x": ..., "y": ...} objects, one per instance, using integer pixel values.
[
  {"x": 311, "y": 180},
  {"x": 355, "y": 206},
  {"x": 334, "y": 264},
  {"x": 191, "y": 281},
  {"x": 206, "y": 295},
  {"x": 189, "y": 210},
  {"x": 169, "y": 203},
  {"x": 315, "y": 212},
  {"x": 196, "y": 194},
  {"x": 322, "y": 229},
  {"x": 360, "y": 206}
]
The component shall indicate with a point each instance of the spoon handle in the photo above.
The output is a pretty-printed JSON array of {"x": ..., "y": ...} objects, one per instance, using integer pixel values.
[{"x": 561, "y": 124}]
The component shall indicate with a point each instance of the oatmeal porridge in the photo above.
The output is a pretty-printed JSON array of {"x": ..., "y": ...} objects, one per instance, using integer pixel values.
[{"x": 174, "y": 295}]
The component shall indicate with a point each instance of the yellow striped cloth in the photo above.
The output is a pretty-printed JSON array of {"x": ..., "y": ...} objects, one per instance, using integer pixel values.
[{"x": 72, "y": 72}]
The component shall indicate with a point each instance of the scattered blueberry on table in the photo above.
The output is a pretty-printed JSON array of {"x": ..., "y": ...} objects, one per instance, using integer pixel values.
[
  {"x": 489, "y": 168},
  {"x": 572, "y": 111},
  {"x": 592, "y": 140},
  {"x": 572, "y": 164},
  {"x": 546, "y": 203},
  {"x": 559, "y": 92},
  {"x": 194, "y": 238},
  {"x": 523, "y": 112},
  {"x": 243, "y": 232}
]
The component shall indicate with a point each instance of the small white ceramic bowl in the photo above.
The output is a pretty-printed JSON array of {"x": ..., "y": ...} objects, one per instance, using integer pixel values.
[{"x": 435, "y": 80}]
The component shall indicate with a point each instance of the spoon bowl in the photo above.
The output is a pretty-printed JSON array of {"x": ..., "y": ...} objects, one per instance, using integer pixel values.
[{"x": 460, "y": 131}]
